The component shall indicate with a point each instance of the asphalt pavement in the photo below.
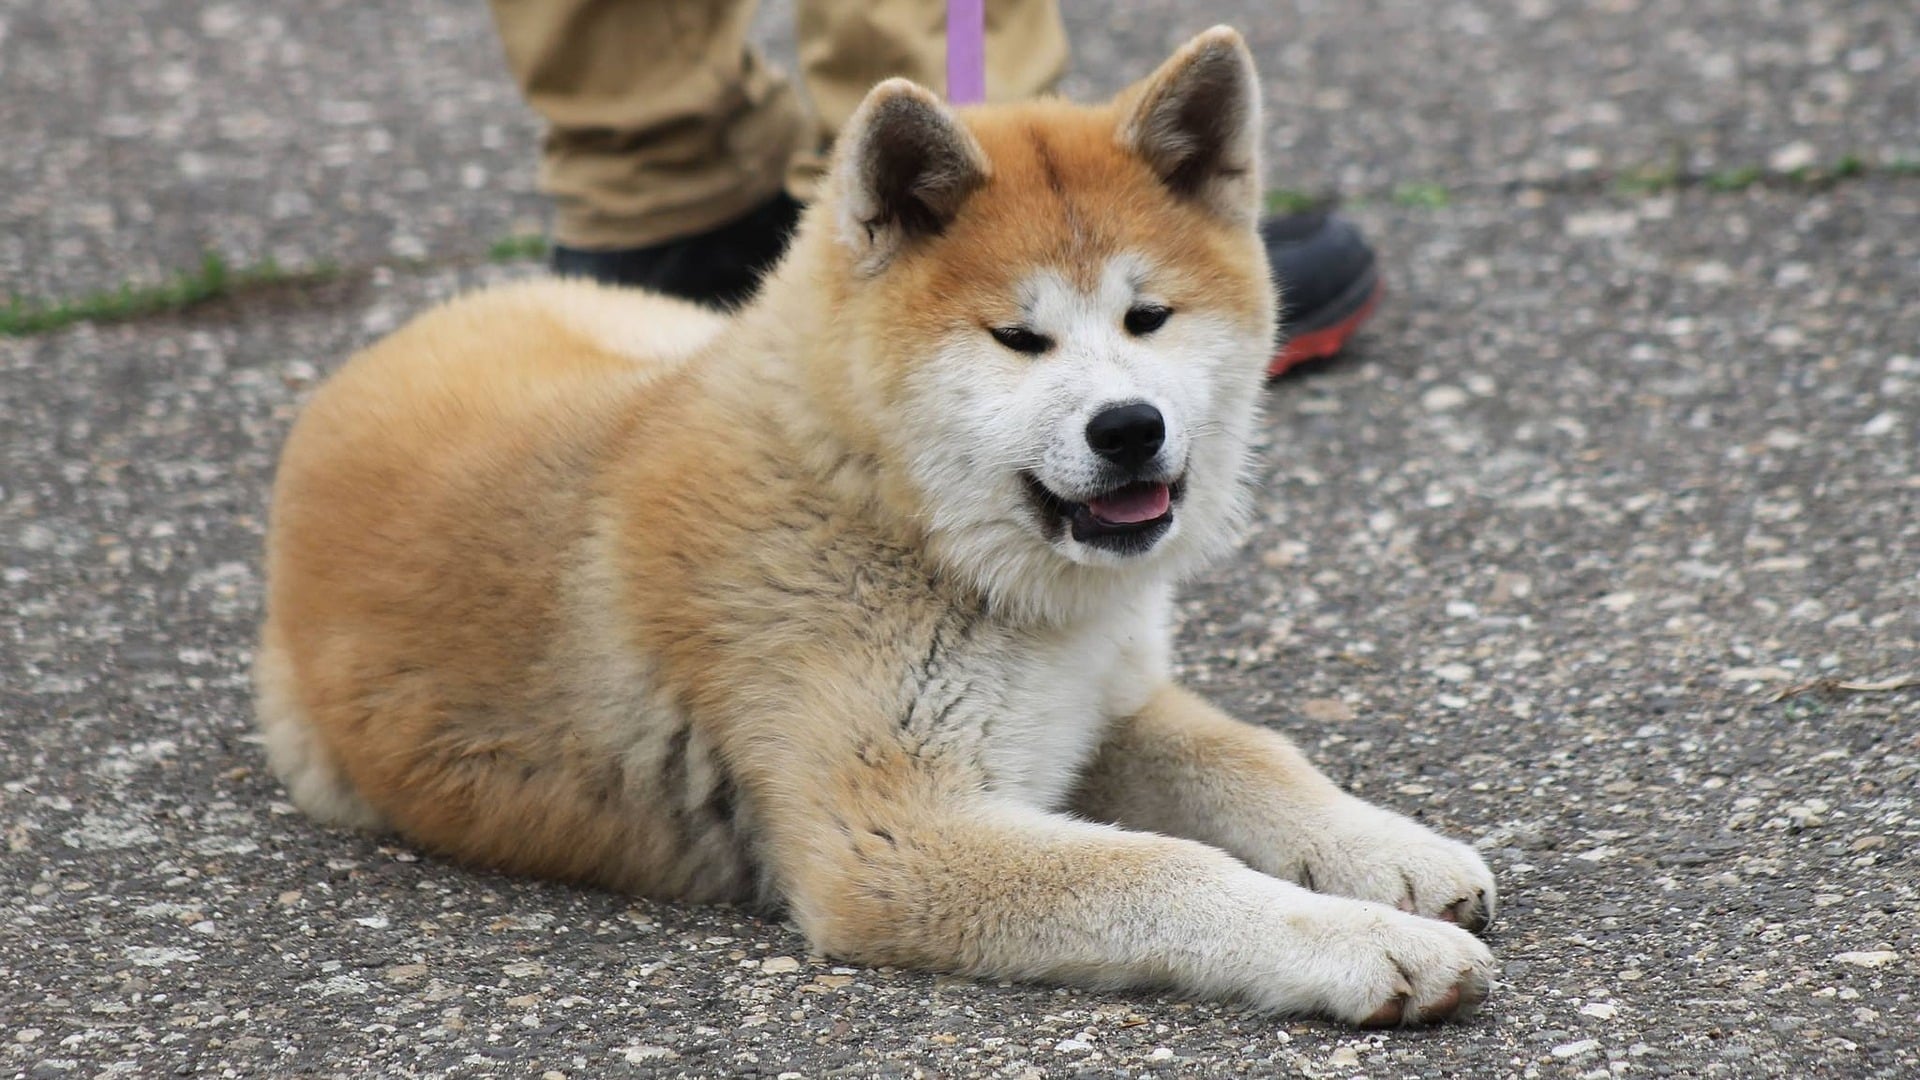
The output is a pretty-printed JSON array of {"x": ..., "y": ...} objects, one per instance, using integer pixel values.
[{"x": 1600, "y": 549}]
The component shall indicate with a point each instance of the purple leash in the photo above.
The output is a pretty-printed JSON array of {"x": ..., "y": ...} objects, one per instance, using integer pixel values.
[{"x": 966, "y": 51}]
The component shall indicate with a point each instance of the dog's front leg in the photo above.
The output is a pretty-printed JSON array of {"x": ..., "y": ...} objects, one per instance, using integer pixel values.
[
  {"x": 984, "y": 887},
  {"x": 1179, "y": 766}
]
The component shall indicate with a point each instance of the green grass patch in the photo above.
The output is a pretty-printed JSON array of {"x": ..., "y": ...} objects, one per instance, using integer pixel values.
[
  {"x": 1422, "y": 196},
  {"x": 1738, "y": 178},
  {"x": 1655, "y": 179},
  {"x": 519, "y": 248},
  {"x": 1805, "y": 709},
  {"x": 1846, "y": 168},
  {"x": 1289, "y": 201},
  {"x": 1648, "y": 180},
  {"x": 213, "y": 279}
]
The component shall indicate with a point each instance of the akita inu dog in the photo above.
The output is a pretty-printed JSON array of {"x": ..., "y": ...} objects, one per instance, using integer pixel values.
[{"x": 856, "y": 603}]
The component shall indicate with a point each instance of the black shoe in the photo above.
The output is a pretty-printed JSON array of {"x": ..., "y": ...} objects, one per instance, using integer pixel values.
[
  {"x": 720, "y": 267},
  {"x": 1328, "y": 284}
]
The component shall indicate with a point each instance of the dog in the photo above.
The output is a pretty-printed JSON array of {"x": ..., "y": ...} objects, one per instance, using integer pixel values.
[{"x": 856, "y": 604}]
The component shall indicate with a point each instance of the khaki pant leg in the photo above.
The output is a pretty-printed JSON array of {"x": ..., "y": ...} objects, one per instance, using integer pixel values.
[
  {"x": 662, "y": 122},
  {"x": 846, "y": 46}
]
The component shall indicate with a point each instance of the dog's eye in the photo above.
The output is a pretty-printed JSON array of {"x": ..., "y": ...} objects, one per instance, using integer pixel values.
[
  {"x": 1022, "y": 340},
  {"x": 1146, "y": 318}
]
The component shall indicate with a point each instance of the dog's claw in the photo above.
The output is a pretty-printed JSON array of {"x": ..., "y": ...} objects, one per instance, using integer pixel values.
[
  {"x": 1389, "y": 1015},
  {"x": 1473, "y": 913}
]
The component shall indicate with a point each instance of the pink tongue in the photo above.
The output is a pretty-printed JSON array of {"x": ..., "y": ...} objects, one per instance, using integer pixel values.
[{"x": 1132, "y": 504}]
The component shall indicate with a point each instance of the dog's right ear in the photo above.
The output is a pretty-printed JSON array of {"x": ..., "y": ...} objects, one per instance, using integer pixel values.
[{"x": 906, "y": 164}]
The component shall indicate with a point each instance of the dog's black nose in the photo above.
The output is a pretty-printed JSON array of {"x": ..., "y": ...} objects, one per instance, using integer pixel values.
[{"x": 1127, "y": 435}]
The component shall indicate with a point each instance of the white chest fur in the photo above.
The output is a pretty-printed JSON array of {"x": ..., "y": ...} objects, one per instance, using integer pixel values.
[{"x": 1028, "y": 707}]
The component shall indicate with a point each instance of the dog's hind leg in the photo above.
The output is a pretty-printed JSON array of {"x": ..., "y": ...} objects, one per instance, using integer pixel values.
[{"x": 303, "y": 763}]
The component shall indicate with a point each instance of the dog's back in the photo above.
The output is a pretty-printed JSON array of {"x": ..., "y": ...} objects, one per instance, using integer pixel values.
[{"x": 430, "y": 513}]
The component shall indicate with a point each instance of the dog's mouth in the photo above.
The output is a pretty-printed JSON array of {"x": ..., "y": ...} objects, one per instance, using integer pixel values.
[{"x": 1125, "y": 520}]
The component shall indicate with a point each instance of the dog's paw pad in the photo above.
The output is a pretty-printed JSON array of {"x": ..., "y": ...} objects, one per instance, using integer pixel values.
[
  {"x": 1392, "y": 1014},
  {"x": 1460, "y": 1001}
]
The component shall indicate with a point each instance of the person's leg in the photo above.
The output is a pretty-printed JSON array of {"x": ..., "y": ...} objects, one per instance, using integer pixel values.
[
  {"x": 667, "y": 141},
  {"x": 670, "y": 138},
  {"x": 846, "y": 46}
]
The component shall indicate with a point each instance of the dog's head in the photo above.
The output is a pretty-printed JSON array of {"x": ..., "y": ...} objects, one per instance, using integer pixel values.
[{"x": 1057, "y": 318}]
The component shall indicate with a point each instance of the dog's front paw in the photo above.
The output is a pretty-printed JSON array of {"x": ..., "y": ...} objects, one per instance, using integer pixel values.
[
  {"x": 1374, "y": 966},
  {"x": 1368, "y": 853}
]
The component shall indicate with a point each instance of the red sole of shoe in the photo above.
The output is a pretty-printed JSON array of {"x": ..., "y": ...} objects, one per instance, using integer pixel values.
[{"x": 1326, "y": 341}]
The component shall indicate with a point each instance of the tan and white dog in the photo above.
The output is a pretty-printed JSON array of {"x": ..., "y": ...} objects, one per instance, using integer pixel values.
[{"x": 857, "y": 603}]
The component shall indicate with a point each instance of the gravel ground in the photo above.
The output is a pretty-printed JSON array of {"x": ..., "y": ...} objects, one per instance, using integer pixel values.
[
  {"x": 142, "y": 132},
  {"x": 1609, "y": 474}
]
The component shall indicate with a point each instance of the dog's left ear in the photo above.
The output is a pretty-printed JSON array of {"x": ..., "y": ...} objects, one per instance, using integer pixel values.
[
  {"x": 1196, "y": 123},
  {"x": 906, "y": 165}
]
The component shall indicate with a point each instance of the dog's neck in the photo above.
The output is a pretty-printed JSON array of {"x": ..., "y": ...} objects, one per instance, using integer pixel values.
[{"x": 796, "y": 335}]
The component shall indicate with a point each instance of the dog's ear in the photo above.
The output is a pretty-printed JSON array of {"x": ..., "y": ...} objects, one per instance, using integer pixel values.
[
  {"x": 1196, "y": 123},
  {"x": 905, "y": 166}
]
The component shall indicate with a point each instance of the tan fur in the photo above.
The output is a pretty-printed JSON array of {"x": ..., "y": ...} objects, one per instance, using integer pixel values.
[{"x": 595, "y": 585}]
